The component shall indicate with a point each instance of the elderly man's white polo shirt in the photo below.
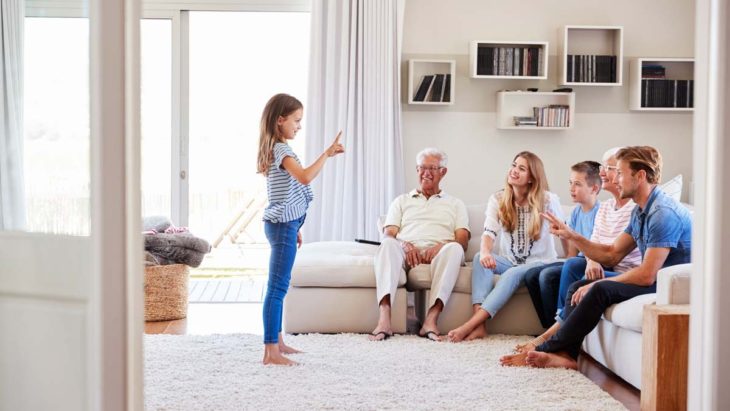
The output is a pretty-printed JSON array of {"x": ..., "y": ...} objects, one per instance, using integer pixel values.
[{"x": 427, "y": 222}]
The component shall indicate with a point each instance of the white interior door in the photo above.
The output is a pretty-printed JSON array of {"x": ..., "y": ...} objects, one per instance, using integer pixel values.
[{"x": 70, "y": 306}]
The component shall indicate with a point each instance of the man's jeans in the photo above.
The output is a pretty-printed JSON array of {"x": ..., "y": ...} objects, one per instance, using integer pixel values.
[{"x": 582, "y": 318}]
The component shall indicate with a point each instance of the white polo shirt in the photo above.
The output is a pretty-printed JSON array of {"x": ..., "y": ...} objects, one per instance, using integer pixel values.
[{"x": 427, "y": 222}]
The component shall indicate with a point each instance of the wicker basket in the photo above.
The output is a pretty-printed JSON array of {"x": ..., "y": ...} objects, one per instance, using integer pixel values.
[{"x": 165, "y": 292}]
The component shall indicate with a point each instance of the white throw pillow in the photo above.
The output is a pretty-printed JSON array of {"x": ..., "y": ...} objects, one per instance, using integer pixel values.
[{"x": 673, "y": 187}]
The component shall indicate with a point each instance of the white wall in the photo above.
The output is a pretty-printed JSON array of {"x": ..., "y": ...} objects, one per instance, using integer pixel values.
[{"x": 479, "y": 153}]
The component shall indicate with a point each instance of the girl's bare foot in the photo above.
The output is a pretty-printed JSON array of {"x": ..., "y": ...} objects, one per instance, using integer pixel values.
[
  {"x": 278, "y": 360},
  {"x": 479, "y": 332},
  {"x": 273, "y": 356},
  {"x": 285, "y": 349},
  {"x": 551, "y": 360},
  {"x": 458, "y": 334},
  {"x": 514, "y": 360}
]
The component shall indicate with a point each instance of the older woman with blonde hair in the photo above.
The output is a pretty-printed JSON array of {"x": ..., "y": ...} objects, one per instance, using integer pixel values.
[{"x": 525, "y": 241}]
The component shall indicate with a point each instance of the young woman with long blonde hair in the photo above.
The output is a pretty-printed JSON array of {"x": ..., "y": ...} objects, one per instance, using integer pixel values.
[{"x": 523, "y": 241}]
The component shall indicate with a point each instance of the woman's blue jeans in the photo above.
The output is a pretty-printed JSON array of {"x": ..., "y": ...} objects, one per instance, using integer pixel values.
[
  {"x": 283, "y": 240},
  {"x": 482, "y": 281}
]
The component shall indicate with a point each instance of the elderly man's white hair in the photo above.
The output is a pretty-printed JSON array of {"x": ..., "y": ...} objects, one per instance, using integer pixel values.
[
  {"x": 432, "y": 152},
  {"x": 610, "y": 153}
]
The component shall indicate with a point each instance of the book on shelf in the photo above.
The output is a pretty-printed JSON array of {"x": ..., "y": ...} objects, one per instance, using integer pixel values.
[
  {"x": 495, "y": 61},
  {"x": 554, "y": 115},
  {"x": 423, "y": 88},
  {"x": 653, "y": 71},
  {"x": 509, "y": 61},
  {"x": 485, "y": 60},
  {"x": 437, "y": 88},
  {"x": 591, "y": 68},
  {"x": 501, "y": 71},
  {"x": 663, "y": 93},
  {"x": 525, "y": 121},
  {"x": 447, "y": 89}
]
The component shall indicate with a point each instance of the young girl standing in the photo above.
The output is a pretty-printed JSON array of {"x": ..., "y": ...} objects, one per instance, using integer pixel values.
[{"x": 287, "y": 184}]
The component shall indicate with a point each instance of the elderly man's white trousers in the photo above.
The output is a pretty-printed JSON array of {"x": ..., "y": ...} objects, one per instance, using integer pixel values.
[{"x": 390, "y": 267}]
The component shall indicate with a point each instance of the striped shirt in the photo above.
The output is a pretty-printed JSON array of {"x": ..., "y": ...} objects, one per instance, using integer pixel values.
[
  {"x": 610, "y": 223},
  {"x": 288, "y": 198}
]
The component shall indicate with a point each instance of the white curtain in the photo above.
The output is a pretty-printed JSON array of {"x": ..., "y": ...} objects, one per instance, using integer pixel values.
[
  {"x": 354, "y": 86},
  {"x": 12, "y": 196}
]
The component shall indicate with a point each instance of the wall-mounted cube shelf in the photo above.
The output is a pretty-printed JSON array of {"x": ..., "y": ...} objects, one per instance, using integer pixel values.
[{"x": 591, "y": 55}]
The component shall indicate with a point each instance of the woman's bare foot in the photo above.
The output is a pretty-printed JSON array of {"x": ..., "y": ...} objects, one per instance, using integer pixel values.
[
  {"x": 514, "y": 360},
  {"x": 551, "y": 360},
  {"x": 458, "y": 334},
  {"x": 479, "y": 332}
]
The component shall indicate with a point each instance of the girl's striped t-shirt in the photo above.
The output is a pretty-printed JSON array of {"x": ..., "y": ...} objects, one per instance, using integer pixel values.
[{"x": 288, "y": 198}]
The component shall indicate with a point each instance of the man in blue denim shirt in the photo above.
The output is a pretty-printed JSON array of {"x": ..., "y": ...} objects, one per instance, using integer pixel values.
[{"x": 660, "y": 227}]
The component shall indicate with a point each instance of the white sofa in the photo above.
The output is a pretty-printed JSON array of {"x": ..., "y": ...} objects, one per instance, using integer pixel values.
[
  {"x": 333, "y": 290},
  {"x": 616, "y": 341}
]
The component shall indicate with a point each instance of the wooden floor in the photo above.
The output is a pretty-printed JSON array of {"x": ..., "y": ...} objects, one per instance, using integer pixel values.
[{"x": 220, "y": 318}]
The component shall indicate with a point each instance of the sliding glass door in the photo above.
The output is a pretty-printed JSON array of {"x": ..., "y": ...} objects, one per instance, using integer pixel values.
[
  {"x": 156, "y": 116},
  {"x": 56, "y": 123},
  {"x": 238, "y": 60}
]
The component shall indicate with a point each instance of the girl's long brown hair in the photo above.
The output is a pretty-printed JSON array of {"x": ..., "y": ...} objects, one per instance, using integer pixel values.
[
  {"x": 281, "y": 105},
  {"x": 536, "y": 197}
]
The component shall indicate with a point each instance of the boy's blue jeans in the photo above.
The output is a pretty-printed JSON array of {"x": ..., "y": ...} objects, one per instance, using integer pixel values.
[{"x": 283, "y": 240}]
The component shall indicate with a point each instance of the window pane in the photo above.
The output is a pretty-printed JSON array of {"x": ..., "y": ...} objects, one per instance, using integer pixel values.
[
  {"x": 156, "y": 117},
  {"x": 237, "y": 62},
  {"x": 56, "y": 121}
]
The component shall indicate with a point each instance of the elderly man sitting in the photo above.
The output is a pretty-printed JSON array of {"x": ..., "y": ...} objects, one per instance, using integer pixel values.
[{"x": 424, "y": 226}]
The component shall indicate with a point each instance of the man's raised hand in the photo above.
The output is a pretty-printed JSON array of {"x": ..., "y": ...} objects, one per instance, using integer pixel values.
[
  {"x": 557, "y": 227},
  {"x": 336, "y": 147}
]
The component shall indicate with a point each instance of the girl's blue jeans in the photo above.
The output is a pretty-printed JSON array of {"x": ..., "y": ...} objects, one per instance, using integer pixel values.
[{"x": 283, "y": 240}]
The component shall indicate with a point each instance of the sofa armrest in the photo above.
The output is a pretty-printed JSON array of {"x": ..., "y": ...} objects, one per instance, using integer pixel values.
[{"x": 673, "y": 284}]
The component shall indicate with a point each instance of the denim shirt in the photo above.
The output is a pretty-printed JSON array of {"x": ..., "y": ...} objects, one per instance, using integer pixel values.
[{"x": 663, "y": 223}]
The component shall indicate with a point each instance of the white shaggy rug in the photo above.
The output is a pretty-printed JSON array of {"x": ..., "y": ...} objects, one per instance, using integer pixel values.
[{"x": 224, "y": 372}]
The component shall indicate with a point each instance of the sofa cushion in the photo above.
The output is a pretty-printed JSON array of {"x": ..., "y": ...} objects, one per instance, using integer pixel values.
[
  {"x": 476, "y": 226},
  {"x": 336, "y": 264},
  {"x": 630, "y": 313},
  {"x": 673, "y": 187},
  {"x": 419, "y": 278}
]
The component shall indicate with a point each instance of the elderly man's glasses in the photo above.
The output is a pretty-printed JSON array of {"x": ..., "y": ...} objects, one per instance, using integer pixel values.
[
  {"x": 432, "y": 169},
  {"x": 606, "y": 168}
]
